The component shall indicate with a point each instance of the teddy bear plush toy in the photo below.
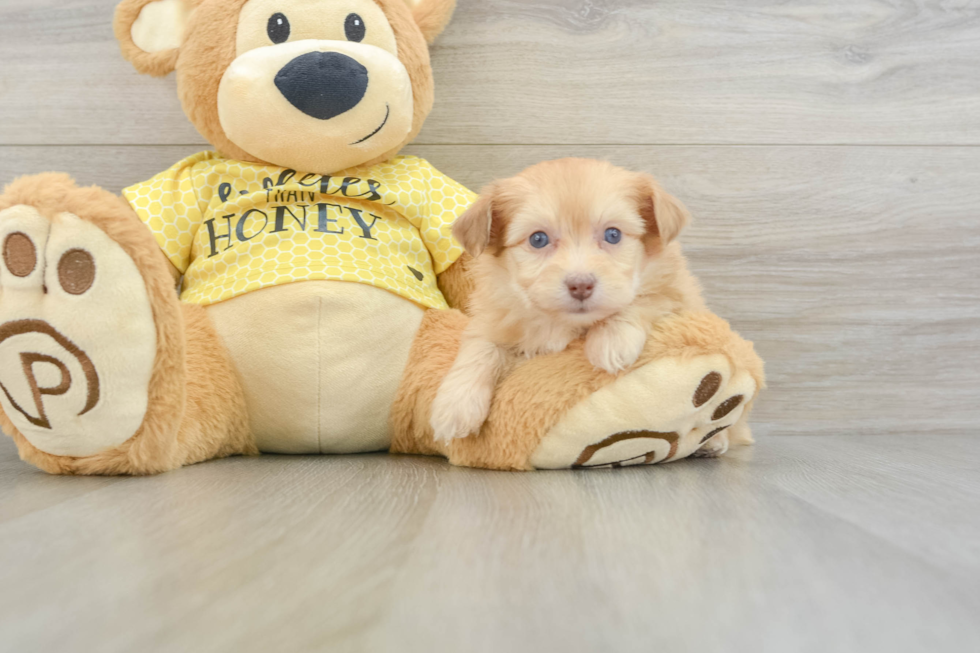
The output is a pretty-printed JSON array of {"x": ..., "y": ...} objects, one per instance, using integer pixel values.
[{"x": 317, "y": 272}]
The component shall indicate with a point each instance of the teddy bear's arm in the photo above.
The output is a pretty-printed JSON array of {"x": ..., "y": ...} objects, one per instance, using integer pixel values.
[
  {"x": 456, "y": 282},
  {"x": 174, "y": 272}
]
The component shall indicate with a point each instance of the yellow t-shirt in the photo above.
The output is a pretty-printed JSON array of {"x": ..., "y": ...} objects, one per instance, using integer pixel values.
[{"x": 232, "y": 227}]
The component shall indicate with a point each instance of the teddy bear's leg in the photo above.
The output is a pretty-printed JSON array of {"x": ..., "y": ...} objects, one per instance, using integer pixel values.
[
  {"x": 695, "y": 380},
  {"x": 102, "y": 369}
]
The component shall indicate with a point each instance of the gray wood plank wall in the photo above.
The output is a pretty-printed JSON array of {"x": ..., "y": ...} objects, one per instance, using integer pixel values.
[{"x": 830, "y": 152}]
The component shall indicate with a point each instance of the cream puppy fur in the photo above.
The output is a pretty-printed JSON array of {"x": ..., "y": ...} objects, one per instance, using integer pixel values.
[{"x": 567, "y": 249}]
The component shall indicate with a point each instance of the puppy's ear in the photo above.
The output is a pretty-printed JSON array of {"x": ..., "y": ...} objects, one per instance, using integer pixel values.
[
  {"x": 663, "y": 213},
  {"x": 432, "y": 16},
  {"x": 481, "y": 227},
  {"x": 150, "y": 33}
]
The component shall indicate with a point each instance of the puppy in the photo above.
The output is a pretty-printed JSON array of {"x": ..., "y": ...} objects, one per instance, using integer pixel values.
[{"x": 567, "y": 249}]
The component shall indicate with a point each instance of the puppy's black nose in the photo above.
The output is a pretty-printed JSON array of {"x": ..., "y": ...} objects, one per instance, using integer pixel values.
[
  {"x": 323, "y": 84},
  {"x": 581, "y": 287}
]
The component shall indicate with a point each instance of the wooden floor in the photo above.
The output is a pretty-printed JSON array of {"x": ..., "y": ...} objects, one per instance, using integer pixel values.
[{"x": 806, "y": 543}]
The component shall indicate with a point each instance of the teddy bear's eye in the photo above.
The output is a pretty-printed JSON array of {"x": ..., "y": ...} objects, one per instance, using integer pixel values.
[
  {"x": 278, "y": 28},
  {"x": 355, "y": 28}
]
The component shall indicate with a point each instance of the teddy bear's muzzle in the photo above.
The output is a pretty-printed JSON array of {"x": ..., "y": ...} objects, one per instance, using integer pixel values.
[{"x": 323, "y": 85}]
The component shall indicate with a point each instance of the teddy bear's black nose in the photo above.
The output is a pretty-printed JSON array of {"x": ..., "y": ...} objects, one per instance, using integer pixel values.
[{"x": 323, "y": 84}]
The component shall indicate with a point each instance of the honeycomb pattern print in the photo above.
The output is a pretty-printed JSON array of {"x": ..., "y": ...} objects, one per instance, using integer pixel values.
[{"x": 232, "y": 227}]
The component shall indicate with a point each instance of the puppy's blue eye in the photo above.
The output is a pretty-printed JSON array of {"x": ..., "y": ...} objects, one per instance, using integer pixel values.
[
  {"x": 613, "y": 236},
  {"x": 539, "y": 239}
]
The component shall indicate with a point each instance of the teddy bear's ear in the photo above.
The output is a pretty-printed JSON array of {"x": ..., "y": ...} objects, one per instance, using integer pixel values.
[
  {"x": 150, "y": 33},
  {"x": 432, "y": 16}
]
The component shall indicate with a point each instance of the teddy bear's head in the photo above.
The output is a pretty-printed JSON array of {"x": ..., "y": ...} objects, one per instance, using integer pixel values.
[{"x": 314, "y": 85}]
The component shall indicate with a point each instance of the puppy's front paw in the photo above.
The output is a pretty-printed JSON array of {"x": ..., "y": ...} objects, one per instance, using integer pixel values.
[
  {"x": 615, "y": 346},
  {"x": 458, "y": 412}
]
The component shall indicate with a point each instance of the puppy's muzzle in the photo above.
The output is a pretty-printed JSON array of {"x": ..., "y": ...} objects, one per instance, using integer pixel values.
[{"x": 323, "y": 84}]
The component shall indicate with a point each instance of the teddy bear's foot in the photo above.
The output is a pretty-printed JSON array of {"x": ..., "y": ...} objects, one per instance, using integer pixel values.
[
  {"x": 77, "y": 336},
  {"x": 691, "y": 390},
  {"x": 716, "y": 446},
  {"x": 665, "y": 410},
  {"x": 95, "y": 349}
]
